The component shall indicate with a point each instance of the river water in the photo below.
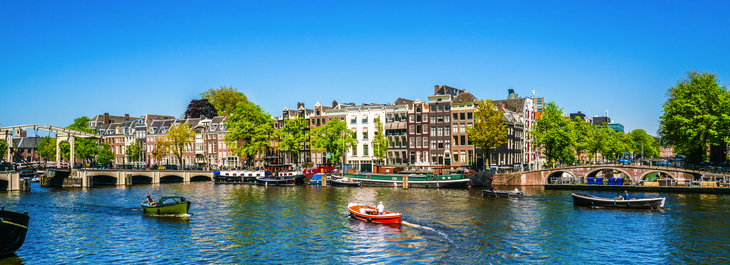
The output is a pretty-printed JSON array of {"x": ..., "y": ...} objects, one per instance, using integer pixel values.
[{"x": 304, "y": 224}]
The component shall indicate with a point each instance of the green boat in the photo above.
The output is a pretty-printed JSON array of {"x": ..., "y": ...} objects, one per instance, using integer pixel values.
[
  {"x": 414, "y": 180},
  {"x": 167, "y": 205}
]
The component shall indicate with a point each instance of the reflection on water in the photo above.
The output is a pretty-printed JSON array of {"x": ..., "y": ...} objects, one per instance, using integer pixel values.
[{"x": 256, "y": 224}]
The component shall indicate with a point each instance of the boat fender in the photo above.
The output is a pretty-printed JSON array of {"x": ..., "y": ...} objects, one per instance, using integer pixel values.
[{"x": 370, "y": 220}]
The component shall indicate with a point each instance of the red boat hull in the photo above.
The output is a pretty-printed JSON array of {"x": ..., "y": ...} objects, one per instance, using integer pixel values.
[{"x": 387, "y": 218}]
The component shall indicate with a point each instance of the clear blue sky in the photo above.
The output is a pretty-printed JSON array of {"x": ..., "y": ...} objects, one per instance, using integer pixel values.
[{"x": 65, "y": 59}]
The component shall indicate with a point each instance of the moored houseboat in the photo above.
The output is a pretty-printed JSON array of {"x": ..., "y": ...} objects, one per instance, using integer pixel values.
[
  {"x": 237, "y": 176},
  {"x": 594, "y": 201},
  {"x": 13, "y": 228},
  {"x": 414, "y": 180}
]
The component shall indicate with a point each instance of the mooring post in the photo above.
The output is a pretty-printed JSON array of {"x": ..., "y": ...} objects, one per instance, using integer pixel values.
[
  {"x": 405, "y": 181},
  {"x": 324, "y": 180}
]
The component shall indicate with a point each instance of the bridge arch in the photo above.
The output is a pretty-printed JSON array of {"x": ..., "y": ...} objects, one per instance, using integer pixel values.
[
  {"x": 101, "y": 180},
  {"x": 663, "y": 173},
  {"x": 556, "y": 176},
  {"x": 141, "y": 179},
  {"x": 593, "y": 173},
  {"x": 200, "y": 178},
  {"x": 171, "y": 178}
]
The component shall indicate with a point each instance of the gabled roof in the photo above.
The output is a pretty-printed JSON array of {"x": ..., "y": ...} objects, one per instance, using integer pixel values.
[
  {"x": 403, "y": 101},
  {"x": 515, "y": 104},
  {"x": 464, "y": 97},
  {"x": 447, "y": 90},
  {"x": 27, "y": 142}
]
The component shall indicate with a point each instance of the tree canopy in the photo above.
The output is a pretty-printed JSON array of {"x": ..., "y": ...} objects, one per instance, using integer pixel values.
[
  {"x": 224, "y": 99},
  {"x": 293, "y": 135},
  {"x": 252, "y": 127},
  {"x": 200, "y": 107},
  {"x": 334, "y": 137},
  {"x": 105, "y": 154},
  {"x": 489, "y": 130},
  {"x": 696, "y": 114},
  {"x": 553, "y": 133},
  {"x": 177, "y": 137},
  {"x": 380, "y": 143},
  {"x": 643, "y": 143},
  {"x": 3, "y": 149},
  {"x": 133, "y": 151}
]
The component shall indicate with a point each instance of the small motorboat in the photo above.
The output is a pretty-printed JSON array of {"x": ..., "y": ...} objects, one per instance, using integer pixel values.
[
  {"x": 345, "y": 182},
  {"x": 370, "y": 214},
  {"x": 167, "y": 205},
  {"x": 589, "y": 200},
  {"x": 502, "y": 193},
  {"x": 13, "y": 228},
  {"x": 36, "y": 179}
]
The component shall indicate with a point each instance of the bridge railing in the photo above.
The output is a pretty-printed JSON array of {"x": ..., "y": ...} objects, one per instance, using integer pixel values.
[{"x": 680, "y": 166}]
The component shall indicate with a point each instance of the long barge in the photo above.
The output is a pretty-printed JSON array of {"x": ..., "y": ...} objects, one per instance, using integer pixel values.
[
  {"x": 715, "y": 190},
  {"x": 415, "y": 181}
]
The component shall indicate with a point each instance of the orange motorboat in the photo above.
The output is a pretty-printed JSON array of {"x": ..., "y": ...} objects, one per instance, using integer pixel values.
[{"x": 370, "y": 214}]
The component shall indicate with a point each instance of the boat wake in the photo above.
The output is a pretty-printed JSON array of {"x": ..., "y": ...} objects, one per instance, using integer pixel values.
[
  {"x": 169, "y": 215},
  {"x": 423, "y": 227}
]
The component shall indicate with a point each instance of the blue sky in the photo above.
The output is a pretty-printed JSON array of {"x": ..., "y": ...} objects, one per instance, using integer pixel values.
[{"x": 65, "y": 59}]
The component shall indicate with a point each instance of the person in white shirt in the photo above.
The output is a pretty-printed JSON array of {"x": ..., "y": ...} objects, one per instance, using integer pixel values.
[
  {"x": 516, "y": 190},
  {"x": 381, "y": 208}
]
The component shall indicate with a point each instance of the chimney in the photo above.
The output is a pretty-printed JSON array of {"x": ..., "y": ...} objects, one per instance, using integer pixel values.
[
  {"x": 106, "y": 118},
  {"x": 579, "y": 112},
  {"x": 300, "y": 105},
  {"x": 126, "y": 117},
  {"x": 23, "y": 134},
  {"x": 435, "y": 89},
  {"x": 334, "y": 104}
]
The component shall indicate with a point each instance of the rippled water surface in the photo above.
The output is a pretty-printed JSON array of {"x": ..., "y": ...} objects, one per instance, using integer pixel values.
[{"x": 255, "y": 224}]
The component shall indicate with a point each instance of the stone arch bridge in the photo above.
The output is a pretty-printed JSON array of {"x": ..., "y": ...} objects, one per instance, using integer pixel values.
[
  {"x": 635, "y": 172},
  {"x": 91, "y": 177}
]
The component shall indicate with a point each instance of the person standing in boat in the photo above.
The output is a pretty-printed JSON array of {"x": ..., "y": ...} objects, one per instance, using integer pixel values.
[
  {"x": 626, "y": 194},
  {"x": 381, "y": 208}
]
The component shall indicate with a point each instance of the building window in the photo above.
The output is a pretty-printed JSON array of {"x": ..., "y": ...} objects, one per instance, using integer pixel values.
[
  {"x": 446, "y": 118},
  {"x": 418, "y": 109},
  {"x": 365, "y": 121},
  {"x": 463, "y": 140},
  {"x": 440, "y": 108},
  {"x": 469, "y": 116},
  {"x": 447, "y": 144},
  {"x": 425, "y": 118},
  {"x": 411, "y": 128},
  {"x": 433, "y": 119},
  {"x": 462, "y": 116},
  {"x": 411, "y": 117},
  {"x": 447, "y": 108},
  {"x": 456, "y": 116},
  {"x": 447, "y": 129},
  {"x": 412, "y": 143},
  {"x": 425, "y": 142},
  {"x": 456, "y": 140},
  {"x": 354, "y": 150},
  {"x": 365, "y": 135},
  {"x": 440, "y": 144},
  {"x": 418, "y": 142},
  {"x": 433, "y": 144},
  {"x": 433, "y": 131},
  {"x": 418, "y": 128},
  {"x": 418, "y": 118},
  {"x": 365, "y": 150},
  {"x": 353, "y": 121}
]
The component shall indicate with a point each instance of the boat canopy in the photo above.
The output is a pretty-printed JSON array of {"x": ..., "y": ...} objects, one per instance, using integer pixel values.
[
  {"x": 170, "y": 200},
  {"x": 317, "y": 177}
]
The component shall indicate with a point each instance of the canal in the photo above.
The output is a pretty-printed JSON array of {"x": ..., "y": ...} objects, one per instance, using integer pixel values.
[{"x": 297, "y": 225}]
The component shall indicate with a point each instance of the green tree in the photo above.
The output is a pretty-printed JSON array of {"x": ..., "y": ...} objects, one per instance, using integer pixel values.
[
  {"x": 293, "y": 135},
  {"x": 553, "y": 133},
  {"x": 643, "y": 143},
  {"x": 3, "y": 150},
  {"x": 380, "y": 143},
  {"x": 489, "y": 130},
  {"x": 133, "y": 151},
  {"x": 161, "y": 149},
  {"x": 47, "y": 148},
  {"x": 334, "y": 137},
  {"x": 582, "y": 135},
  {"x": 84, "y": 149},
  {"x": 178, "y": 136},
  {"x": 224, "y": 99},
  {"x": 696, "y": 115},
  {"x": 104, "y": 155},
  {"x": 250, "y": 131}
]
